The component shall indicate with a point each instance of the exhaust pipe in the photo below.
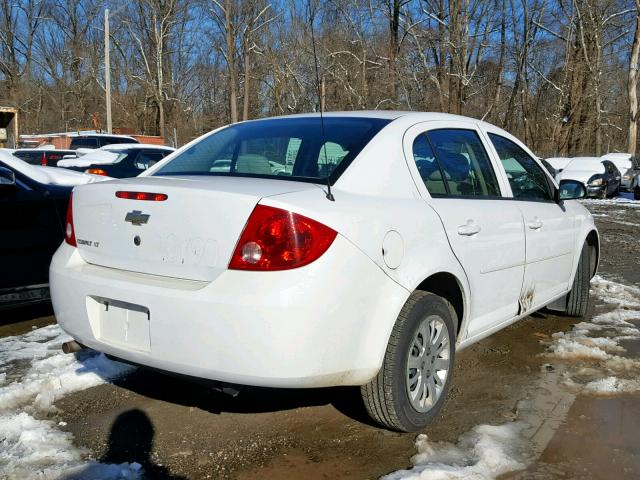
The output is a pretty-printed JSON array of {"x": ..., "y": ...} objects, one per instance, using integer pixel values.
[{"x": 72, "y": 347}]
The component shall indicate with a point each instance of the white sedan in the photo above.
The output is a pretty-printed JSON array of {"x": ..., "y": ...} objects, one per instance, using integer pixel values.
[{"x": 420, "y": 234}]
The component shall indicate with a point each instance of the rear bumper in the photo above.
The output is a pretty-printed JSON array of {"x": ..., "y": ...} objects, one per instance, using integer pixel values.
[{"x": 321, "y": 325}]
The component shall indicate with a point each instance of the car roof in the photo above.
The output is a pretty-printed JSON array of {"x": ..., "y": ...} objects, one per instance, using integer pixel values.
[
  {"x": 130, "y": 146},
  {"x": 386, "y": 115},
  {"x": 43, "y": 150},
  {"x": 110, "y": 135}
]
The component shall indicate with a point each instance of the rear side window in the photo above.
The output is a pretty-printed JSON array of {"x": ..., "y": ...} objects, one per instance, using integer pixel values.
[
  {"x": 34, "y": 158},
  {"x": 290, "y": 148},
  {"x": 146, "y": 159},
  {"x": 527, "y": 179},
  {"x": 453, "y": 162},
  {"x": 428, "y": 166}
]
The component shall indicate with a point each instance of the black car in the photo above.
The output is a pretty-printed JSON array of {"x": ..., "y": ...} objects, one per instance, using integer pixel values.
[
  {"x": 42, "y": 156},
  {"x": 552, "y": 171},
  {"x": 127, "y": 161},
  {"x": 607, "y": 184},
  {"x": 99, "y": 140},
  {"x": 32, "y": 228}
]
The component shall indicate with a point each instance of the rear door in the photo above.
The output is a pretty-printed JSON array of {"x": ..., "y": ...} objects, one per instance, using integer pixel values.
[
  {"x": 548, "y": 225},
  {"x": 456, "y": 176}
]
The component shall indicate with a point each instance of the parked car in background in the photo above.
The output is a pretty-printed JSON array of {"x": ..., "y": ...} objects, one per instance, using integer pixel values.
[
  {"x": 42, "y": 156},
  {"x": 634, "y": 173},
  {"x": 33, "y": 202},
  {"x": 98, "y": 140},
  {"x": 118, "y": 161},
  {"x": 600, "y": 177},
  {"x": 624, "y": 162},
  {"x": 273, "y": 280},
  {"x": 558, "y": 163}
]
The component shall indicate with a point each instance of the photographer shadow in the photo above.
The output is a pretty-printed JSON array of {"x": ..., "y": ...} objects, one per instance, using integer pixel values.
[{"x": 130, "y": 443}]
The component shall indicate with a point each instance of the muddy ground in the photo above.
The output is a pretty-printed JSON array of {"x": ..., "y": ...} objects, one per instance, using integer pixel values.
[{"x": 179, "y": 429}]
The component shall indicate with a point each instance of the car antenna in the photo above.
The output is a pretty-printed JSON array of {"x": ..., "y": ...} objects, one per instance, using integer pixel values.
[{"x": 312, "y": 12}]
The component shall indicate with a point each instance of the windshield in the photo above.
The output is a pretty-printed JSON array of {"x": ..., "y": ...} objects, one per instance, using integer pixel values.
[
  {"x": 292, "y": 148},
  {"x": 83, "y": 142}
]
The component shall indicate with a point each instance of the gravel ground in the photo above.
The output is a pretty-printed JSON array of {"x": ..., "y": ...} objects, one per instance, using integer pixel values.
[{"x": 176, "y": 428}]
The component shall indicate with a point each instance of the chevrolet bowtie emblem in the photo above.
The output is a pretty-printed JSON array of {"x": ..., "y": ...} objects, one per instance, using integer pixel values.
[{"x": 136, "y": 217}]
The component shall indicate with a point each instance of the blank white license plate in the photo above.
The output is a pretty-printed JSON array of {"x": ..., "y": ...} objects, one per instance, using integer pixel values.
[{"x": 124, "y": 324}]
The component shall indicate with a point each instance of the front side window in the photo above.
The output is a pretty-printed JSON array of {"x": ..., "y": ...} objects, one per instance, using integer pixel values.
[
  {"x": 527, "y": 179},
  {"x": 453, "y": 162},
  {"x": 290, "y": 148}
]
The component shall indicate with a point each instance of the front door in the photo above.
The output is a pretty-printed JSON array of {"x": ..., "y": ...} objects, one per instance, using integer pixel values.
[{"x": 485, "y": 232}]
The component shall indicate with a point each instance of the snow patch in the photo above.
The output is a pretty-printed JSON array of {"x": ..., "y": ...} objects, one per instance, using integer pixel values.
[
  {"x": 591, "y": 351},
  {"x": 612, "y": 385},
  {"x": 34, "y": 375},
  {"x": 484, "y": 453},
  {"x": 621, "y": 201}
]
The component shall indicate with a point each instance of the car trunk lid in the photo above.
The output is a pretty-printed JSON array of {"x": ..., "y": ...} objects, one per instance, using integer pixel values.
[{"x": 191, "y": 234}]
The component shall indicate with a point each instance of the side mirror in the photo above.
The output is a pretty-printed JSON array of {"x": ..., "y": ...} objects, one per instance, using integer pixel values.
[
  {"x": 571, "y": 190},
  {"x": 7, "y": 178}
]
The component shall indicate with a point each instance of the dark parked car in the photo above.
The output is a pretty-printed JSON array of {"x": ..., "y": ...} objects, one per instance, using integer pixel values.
[
  {"x": 32, "y": 228},
  {"x": 42, "y": 156},
  {"x": 98, "y": 140},
  {"x": 33, "y": 206},
  {"x": 118, "y": 161},
  {"x": 601, "y": 178},
  {"x": 549, "y": 167}
]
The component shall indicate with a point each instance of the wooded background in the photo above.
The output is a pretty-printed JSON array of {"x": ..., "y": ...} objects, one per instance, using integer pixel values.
[{"x": 559, "y": 74}]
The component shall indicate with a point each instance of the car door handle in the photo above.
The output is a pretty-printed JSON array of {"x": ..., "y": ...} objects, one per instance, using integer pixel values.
[
  {"x": 469, "y": 229},
  {"x": 535, "y": 224}
]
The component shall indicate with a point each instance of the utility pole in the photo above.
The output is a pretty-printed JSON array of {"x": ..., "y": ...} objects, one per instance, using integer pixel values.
[{"x": 107, "y": 69}]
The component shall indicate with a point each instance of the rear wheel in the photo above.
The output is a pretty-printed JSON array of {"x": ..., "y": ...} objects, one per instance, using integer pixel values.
[
  {"x": 636, "y": 192},
  {"x": 578, "y": 297},
  {"x": 414, "y": 380}
]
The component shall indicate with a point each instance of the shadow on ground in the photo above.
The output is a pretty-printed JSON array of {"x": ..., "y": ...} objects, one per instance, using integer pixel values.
[
  {"x": 130, "y": 441},
  {"x": 208, "y": 396}
]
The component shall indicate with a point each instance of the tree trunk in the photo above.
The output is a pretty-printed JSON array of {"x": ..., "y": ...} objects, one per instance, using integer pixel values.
[
  {"x": 633, "y": 86},
  {"x": 231, "y": 65},
  {"x": 247, "y": 90}
]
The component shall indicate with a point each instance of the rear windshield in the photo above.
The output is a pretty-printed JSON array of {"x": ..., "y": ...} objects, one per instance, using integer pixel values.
[
  {"x": 292, "y": 148},
  {"x": 84, "y": 142}
]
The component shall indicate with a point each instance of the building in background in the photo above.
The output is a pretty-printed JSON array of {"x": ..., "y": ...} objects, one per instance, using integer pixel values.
[{"x": 8, "y": 127}]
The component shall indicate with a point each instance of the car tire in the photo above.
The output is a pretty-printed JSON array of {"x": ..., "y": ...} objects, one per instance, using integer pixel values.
[
  {"x": 397, "y": 398},
  {"x": 636, "y": 193},
  {"x": 578, "y": 297}
]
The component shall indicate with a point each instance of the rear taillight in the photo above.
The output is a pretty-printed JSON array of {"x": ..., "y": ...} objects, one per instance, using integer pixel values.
[
  {"x": 149, "y": 196},
  {"x": 276, "y": 239},
  {"x": 96, "y": 171},
  {"x": 43, "y": 160},
  {"x": 69, "y": 229}
]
